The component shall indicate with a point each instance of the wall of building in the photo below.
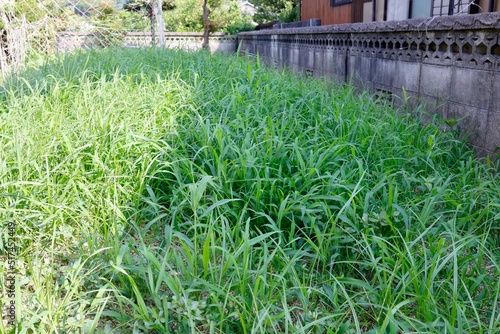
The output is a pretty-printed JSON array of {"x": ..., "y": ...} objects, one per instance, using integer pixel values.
[
  {"x": 397, "y": 9},
  {"x": 368, "y": 11},
  {"x": 387, "y": 10},
  {"x": 450, "y": 63},
  {"x": 321, "y": 9}
]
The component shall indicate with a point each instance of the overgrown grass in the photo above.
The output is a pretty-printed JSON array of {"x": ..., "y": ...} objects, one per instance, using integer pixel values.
[{"x": 161, "y": 191}]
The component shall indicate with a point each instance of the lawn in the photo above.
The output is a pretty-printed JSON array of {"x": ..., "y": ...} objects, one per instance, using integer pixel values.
[{"x": 158, "y": 191}]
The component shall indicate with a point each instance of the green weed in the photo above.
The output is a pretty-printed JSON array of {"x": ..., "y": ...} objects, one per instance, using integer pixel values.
[{"x": 159, "y": 191}]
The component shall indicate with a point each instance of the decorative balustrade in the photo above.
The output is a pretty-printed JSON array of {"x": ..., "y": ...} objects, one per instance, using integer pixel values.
[{"x": 75, "y": 40}]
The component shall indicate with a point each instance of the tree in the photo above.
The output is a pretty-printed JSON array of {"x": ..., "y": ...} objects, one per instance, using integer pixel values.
[
  {"x": 14, "y": 13},
  {"x": 188, "y": 15},
  {"x": 153, "y": 9},
  {"x": 206, "y": 25},
  {"x": 283, "y": 10},
  {"x": 32, "y": 10},
  {"x": 144, "y": 6}
]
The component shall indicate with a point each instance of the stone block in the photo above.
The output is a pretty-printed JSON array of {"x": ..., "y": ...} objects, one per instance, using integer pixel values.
[
  {"x": 334, "y": 64},
  {"x": 432, "y": 104},
  {"x": 366, "y": 67},
  {"x": 303, "y": 56},
  {"x": 495, "y": 93},
  {"x": 328, "y": 62},
  {"x": 409, "y": 104},
  {"x": 274, "y": 49},
  {"x": 493, "y": 132},
  {"x": 359, "y": 71},
  {"x": 353, "y": 67},
  {"x": 471, "y": 87},
  {"x": 472, "y": 121},
  {"x": 384, "y": 72},
  {"x": 319, "y": 63},
  {"x": 435, "y": 80},
  {"x": 310, "y": 58},
  {"x": 326, "y": 66},
  {"x": 407, "y": 76},
  {"x": 294, "y": 58},
  {"x": 284, "y": 55},
  {"x": 339, "y": 60}
]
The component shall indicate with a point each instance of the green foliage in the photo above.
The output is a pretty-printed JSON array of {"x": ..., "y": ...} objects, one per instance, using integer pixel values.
[
  {"x": 225, "y": 16},
  {"x": 239, "y": 24},
  {"x": 231, "y": 20},
  {"x": 283, "y": 10},
  {"x": 109, "y": 33},
  {"x": 35, "y": 10},
  {"x": 187, "y": 16},
  {"x": 31, "y": 10},
  {"x": 159, "y": 191},
  {"x": 290, "y": 13},
  {"x": 144, "y": 6},
  {"x": 133, "y": 21},
  {"x": 179, "y": 15},
  {"x": 41, "y": 38}
]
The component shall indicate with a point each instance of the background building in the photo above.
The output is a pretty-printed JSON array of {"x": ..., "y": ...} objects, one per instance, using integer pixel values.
[{"x": 352, "y": 11}]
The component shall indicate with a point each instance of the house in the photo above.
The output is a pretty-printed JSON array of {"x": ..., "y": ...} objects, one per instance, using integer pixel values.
[
  {"x": 352, "y": 11},
  {"x": 247, "y": 8}
]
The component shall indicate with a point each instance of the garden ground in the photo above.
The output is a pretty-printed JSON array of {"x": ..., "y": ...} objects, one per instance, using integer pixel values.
[{"x": 159, "y": 191}]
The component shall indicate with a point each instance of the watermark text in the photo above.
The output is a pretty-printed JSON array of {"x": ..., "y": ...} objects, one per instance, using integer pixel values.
[{"x": 11, "y": 273}]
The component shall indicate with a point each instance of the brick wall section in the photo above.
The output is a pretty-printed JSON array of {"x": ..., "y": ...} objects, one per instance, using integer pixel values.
[{"x": 450, "y": 63}]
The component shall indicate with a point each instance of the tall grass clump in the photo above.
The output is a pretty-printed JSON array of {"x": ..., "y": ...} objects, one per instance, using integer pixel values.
[{"x": 158, "y": 191}]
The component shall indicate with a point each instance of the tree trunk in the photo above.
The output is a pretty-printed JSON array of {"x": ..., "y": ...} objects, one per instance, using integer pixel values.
[
  {"x": 3, "y": 67},
  {"x": 153, "y": 16},
  {"x": 206, "y": 25},
  {"x": 161, "y": 24}
]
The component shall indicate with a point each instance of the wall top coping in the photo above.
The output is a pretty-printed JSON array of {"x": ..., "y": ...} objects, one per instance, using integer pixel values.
[
  {"x": 147, "y": 34},
  {"x": 485, "y": 21}
]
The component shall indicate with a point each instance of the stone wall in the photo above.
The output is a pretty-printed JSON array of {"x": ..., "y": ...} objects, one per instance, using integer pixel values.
[
  {"x": 451, "y": 63},
  {"x": 68, "y": 41}
]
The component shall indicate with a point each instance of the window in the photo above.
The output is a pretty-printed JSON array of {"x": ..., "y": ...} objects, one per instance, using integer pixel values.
[
  {"x": 397, "y": 9},
  {"x": 421, "y": 8},
  {"x": 334, "y": 3}
]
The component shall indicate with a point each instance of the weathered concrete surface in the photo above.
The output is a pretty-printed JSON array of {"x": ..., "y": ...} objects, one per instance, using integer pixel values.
[
  {"x": 452, "y": 64},
  {"x": 68, "y": 41}
]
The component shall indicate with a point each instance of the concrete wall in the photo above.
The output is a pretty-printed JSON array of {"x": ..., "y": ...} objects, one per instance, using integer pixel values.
[
  {"x": 451, "y": 63},
  {"x": 68, "y": 41}
]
